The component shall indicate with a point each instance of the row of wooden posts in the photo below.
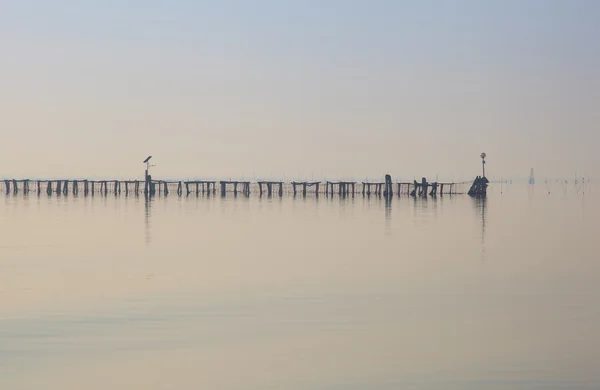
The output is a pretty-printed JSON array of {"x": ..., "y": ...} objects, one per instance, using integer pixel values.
[{"x": 154, "y": 187}]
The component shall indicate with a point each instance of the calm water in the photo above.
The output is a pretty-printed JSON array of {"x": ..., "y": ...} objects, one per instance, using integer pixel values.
[{"x": 301, "y": 294}]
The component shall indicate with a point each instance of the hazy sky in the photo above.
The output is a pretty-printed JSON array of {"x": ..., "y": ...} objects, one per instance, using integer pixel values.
[{"x": 310, "y": 88}]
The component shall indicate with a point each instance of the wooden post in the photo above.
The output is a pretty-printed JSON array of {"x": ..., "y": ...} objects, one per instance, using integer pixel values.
[
  {"x": 280, "y": 188},
  {"x": 294, "y": 188},
  {"x": 49, "y": 188},
  {"x": 58, "y": 187},
  {"x": 7, "y": 185},
  {"x": 223, "y": 188},
  {"x": 105, "y": 188},
  {"x": 303, "y": 189},
  {"x": 235, "y": 188},
  {"x": 433, "y": 189},
  {"x": 269, "y": 189},
  {"x": 317, "y": 189},
  {"x": 39, "y": 187},
  {"x": 388, "y": 192},
  {"x": 15, "y": 186},
  {"x": 179, "y": 189}
]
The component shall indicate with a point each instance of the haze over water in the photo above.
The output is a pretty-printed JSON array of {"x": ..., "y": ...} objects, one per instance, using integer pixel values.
[
  {"x": 300, "y": 294},
  {"x": 327, "y": 293}
]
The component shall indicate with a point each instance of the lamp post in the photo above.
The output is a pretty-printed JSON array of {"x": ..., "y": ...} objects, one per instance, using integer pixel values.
[{"x": 483, "y": 156}]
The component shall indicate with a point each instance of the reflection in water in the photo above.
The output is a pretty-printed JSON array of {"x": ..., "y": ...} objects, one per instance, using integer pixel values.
[
  {"x": 147, "y": 208},
  {"x": 297, "y": 295},
  {"x": 388, "y": 214},
  {"x": 480, "y": 209}
]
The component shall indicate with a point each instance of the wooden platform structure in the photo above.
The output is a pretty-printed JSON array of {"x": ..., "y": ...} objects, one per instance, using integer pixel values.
[
  {"x": 209, "y": 187},
  {"x": 201, "y": 186},
  {"x": 305, "y": 185},
  {"x": 343, "y": 187},
  {"x": 377, "y": 187},
  {"x": 269, "y": 186},
  {"x": 244, "y": 187},
  {"x": 61, "y": 187}
]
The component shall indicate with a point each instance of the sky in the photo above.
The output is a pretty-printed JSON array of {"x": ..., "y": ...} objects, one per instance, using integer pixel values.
[{"x": 299, "y": 89}]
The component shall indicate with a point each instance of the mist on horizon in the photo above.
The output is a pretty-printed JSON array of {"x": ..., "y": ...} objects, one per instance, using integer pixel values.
[{"x": 305, "y": 89}]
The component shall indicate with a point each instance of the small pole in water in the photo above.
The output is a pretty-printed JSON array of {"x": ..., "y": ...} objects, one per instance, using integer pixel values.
[
  {"x": 483, "y": 156},
  {"x": 146, "y": 176}
]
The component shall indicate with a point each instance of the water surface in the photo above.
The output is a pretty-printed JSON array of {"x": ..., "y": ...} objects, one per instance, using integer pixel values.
[{"x": 293, "y": 293}]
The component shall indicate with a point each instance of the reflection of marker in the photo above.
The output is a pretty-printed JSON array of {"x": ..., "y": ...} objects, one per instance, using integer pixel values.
[{"x": 147, "y": 220}]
